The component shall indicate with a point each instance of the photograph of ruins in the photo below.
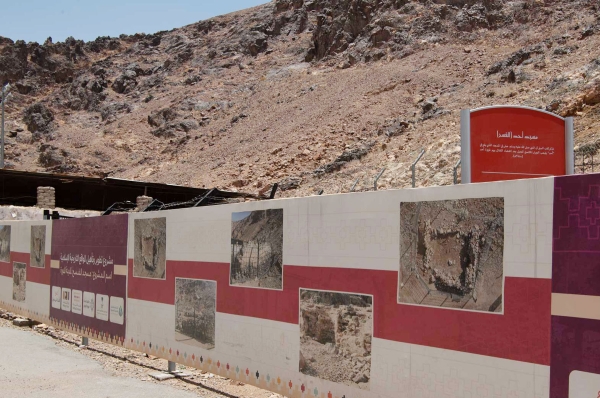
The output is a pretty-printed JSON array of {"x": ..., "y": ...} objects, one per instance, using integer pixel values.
[
  {"x": 195, "y": 310},
  {"x": 38, "y": 246},
  {"x": 335, "y": 336},
  {"x": 150, "y": 248},
  {"x": 19, "y": 281},
  {"x": 451, "y": 254},
  {"x": 5, "y": 243},
  {"x": 257, "y": 249}
]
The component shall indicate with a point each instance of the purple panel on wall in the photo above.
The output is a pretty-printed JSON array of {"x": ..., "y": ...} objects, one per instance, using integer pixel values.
[
  {"x": 576, "y": 271},
  {"x": 88, "y": 250}
]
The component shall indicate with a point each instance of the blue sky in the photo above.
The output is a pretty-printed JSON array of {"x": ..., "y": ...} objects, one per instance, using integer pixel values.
[
  {"x": 239, "y": 216},
  {"x": 35, "y": 20}
]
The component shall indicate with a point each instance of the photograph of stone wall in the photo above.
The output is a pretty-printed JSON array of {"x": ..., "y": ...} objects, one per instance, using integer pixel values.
[
  {"x": 37, "y": 249},
  {"x": 5, "y": 243},
  {"x": 150, "y": 248},
  {"x": 257, "y": 249},
  {"x": 19, "y": 281},
  {"x": 451, "y": 253},
  {"x": 195, "y": 311},
  {"x": 336, "y": 330}
]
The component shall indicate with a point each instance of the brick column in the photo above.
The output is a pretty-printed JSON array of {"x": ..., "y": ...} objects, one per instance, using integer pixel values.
[
  {"x": 142, "y": 202},
  {"x": 46, "y": 198}
]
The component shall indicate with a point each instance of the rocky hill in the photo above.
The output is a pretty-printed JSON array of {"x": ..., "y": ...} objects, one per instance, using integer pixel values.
[{"x": 313, "y": 94}]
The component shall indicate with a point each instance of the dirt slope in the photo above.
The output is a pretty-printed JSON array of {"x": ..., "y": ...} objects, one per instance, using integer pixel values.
[{"x": 313, "y": 94}]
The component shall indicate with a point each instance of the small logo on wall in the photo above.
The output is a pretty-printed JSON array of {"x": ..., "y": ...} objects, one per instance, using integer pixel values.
[
  {"x": 66, "y": 300},
  {"x": 116, "y": 310},
  {"x": 56, "y": 297},
  {"x": 77, "y": 302},
  {"x": 89, "y": 304},
  {"x": 102, "y": 307}
]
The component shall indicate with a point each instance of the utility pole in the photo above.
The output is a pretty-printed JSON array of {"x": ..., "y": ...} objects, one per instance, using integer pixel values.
[{"x": 5, "y": 96}]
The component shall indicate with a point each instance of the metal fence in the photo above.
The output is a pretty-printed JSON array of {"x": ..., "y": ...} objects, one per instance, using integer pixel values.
[
  {"x": 587, "y": 164},
  {"x": 250, "y": 259}
]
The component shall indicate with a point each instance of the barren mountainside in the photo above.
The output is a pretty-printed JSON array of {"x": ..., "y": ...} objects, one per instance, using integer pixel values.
[{"x": 313, "y": 94}]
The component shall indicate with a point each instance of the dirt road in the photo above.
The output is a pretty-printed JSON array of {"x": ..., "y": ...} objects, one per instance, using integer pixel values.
[
  {"x": 34, "y": 366},
  {"x": 48, "y": 363}
]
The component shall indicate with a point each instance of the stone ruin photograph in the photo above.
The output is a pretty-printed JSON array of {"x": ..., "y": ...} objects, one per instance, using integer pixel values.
[
  {"x": 257, "y": 249},
  {"x": 5, "y": 243},
  {"x": 195, "y": 309},
  {"x": 451, "y": 254},
  {"x": 336, "y": 330},
  {"x": 38, "y": 246},
  {"x": 19, "y": 281},
  {"x": 150, "y": 248}
]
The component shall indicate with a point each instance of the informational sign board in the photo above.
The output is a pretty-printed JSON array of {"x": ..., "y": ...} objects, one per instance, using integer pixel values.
[
  {"x": 510, "y": 142},
  {"x": 89, "y": 274}
]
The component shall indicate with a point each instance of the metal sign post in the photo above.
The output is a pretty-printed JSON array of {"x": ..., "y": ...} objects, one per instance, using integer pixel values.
[
  {"x": 569, "y": 145},
  {"x": 465, "y": 150}
]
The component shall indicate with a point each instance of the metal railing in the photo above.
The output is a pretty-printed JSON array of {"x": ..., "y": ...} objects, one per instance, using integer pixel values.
[
  {"x": 413, "y": 166},
  {"x": 455, "y": 171}
]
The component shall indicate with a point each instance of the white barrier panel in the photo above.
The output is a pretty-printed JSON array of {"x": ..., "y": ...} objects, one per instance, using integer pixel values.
[{"x": 441, "y": 291}]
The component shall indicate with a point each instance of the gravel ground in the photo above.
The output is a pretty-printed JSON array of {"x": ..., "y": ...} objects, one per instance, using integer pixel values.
[{"x": 126, "y": 363}]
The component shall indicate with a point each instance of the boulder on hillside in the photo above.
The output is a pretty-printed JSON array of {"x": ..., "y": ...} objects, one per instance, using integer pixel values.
[
  {"x": 126, "y": 82},
  {"x": 161, "y": 117},
  {"x": 52, "y": 157},
  {"x": 39, "y": 120},
  {"x": 253, "y": 43}
]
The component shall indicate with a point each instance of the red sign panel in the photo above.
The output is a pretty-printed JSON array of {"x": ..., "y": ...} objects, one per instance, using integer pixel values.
[{"x": 514, "y": 143}]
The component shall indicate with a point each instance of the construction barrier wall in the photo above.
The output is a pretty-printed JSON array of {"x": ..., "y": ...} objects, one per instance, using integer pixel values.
[{"x": 478, "y": 290}]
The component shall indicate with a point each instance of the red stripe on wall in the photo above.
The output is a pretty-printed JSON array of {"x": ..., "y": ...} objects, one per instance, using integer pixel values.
[
  {"x": 37, "y": 275},
  {"x": 522, "y": 333},
  {"x": 6, "y": 269}
]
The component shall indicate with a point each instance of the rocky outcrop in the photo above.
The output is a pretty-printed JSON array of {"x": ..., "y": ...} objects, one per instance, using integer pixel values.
[
  {"x": 39, "y": 120},
  {"x": 162, "y": 117},
  {"x": 589, "y": 96},
  {"x": 86, "y": 92},
  {"x": 126, "y": 82},
  {"x": 13, "y": 61},
  {"x": 55, "y": 159}
]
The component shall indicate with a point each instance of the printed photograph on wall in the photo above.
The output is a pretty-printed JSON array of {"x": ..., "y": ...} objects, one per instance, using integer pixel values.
[
  {"x": 150, "y": 248},
  {"x": 5, "y": 243},
  {"x": 19, "y": 281},
  {"x": 257, "y": 249},
  {"x": 195, "y": 311},
  {"x": 451, "y": 254},
  {"x": 38, "y": 246},
  {"x": 335, "y": 336}
]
